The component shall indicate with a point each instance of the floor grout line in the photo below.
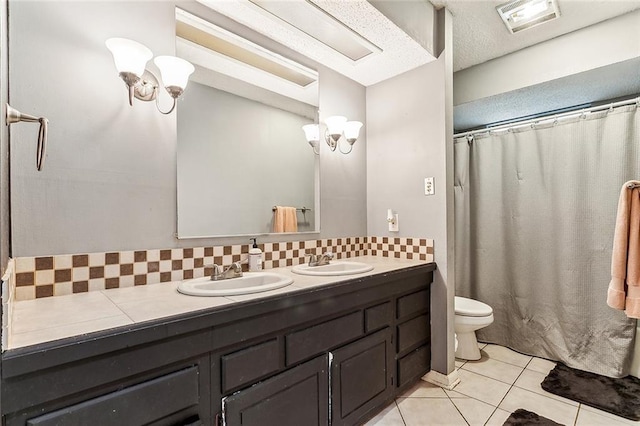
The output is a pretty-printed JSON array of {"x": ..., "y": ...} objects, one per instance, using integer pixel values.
[
  {"x": 457, "y": 409},
  {"x": 496, "y": 407},
  {"x": 511, "y": 387},
  {"x": 575, "y": 422},
  {"x": 493, "y": 378},
  {"x": 395, "y": 401}
]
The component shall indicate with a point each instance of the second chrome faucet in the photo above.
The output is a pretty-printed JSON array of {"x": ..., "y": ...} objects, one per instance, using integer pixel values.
[
  {"x": 232, "y": 271},
  {"x": 319, "y": 260}
]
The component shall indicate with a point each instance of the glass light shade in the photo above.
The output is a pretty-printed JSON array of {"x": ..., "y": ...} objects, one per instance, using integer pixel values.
[
  {"x": 352, "y": 130},
  {"x": 174, "y": 71},
  {"x": 335, "y": 124},
  {"x": 128, "y": 55},
  {"x": 311, "y": 132}
]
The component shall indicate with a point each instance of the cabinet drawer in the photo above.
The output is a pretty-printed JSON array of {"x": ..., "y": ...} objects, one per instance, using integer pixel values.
[
  {"x": 414, "y": 365},
  {"x": 305, "y": 343},
  {"x": 413, "y": 332},
  {"x": 249, "y": 365},
  {"x": 413, "y": 303},
  {"x": 378, "y": 316},
  {"x": 140, "y": 404}
]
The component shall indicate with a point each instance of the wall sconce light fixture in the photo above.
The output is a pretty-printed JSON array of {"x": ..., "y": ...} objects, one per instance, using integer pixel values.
[
  {"x": 338, "y": 128},
  {"x": 131, "y": 57},
  {"x": 312, "y": 133}
]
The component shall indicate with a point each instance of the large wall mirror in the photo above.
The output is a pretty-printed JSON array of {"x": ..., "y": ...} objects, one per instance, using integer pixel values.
[{"x": 241, "y": 149}]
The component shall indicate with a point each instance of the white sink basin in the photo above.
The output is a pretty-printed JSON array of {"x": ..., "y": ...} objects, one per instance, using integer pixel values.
[
  {"x": 333, "y": 268},
  {"x": 250, "y": 282}
]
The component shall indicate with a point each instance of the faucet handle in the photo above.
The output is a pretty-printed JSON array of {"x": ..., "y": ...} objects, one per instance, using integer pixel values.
[
  {"x": 313, "y": 258},
  {"x": 216, "y": 269},
  {"x": 328, "y": 255}
]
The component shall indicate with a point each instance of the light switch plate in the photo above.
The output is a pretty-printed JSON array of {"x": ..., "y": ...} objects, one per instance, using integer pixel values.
[{"x": 429, "y": 186}]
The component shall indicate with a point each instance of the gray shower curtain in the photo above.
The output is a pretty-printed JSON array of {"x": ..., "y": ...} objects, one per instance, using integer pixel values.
[{"x": 535, "y": 210}]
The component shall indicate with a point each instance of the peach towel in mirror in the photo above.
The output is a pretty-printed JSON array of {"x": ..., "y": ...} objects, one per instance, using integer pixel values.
[{"x": 285, "y": 219}]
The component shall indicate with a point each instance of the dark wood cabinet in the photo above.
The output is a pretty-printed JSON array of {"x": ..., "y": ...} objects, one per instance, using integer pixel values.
[
  {"x": 178, "y": 394},
  {"x": 248, "y": 365},
  {"x": 299, "y": 396},
  {"x": 340, "y": 353},
  {"x": 166, "y": 399},
  {"x": 361, "y": 377}
]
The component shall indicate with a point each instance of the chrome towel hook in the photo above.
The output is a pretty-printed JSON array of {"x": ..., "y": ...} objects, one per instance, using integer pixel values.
[{"x": 15, "y": 116}]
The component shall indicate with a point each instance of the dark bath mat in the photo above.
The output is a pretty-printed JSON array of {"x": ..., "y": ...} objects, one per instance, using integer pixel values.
[
  {"x": 616, "y": 396},
  {"x": 522, "y": 417}
]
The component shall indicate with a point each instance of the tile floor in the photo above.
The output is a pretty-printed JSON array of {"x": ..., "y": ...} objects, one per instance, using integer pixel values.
[{"x": 490, "y": 389}]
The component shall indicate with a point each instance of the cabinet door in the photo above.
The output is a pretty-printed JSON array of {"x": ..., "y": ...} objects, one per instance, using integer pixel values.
[
  {"x": 297, "y": 397},
  {"x": 361, "y": 377}
]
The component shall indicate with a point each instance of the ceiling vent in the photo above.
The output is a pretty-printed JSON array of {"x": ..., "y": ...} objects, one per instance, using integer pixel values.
[{"x": 520, "y": 15}]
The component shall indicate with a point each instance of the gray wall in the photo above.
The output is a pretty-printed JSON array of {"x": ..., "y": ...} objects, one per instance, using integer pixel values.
[
  {"x": 109, "y": 181},
  {"x": 4, "y": 144},
  {"x": 109, "y": 177},
  {"x": 409, "y": 122},
  {"x": 415, "y": 17},
  {"x": 590, "y": 65},
  {"x": 599, "y": 45},
  {"x": 343, "y": 177},
  {"x": 237, "y": 158}
]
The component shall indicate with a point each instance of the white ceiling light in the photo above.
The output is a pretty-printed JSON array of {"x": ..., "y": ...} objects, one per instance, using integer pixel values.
[
  {"x": 520, "y": 15},
  {"x": 393, "y": 51},
  {"x": 320, "y": 25},
  {"x": 240, "y": 50}
]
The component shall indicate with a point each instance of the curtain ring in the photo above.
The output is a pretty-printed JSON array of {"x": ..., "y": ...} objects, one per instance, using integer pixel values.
[
  {"x": 469, "y": 139},
  {"x": 610, "y": 108},
  {"x": 555, "y": 120}
]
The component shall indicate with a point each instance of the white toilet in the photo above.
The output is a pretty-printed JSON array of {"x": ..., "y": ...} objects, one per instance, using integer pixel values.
[{"x": 471, "y": 315}]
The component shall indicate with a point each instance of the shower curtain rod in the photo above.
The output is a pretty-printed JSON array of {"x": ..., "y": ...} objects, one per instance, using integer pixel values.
[{"x": 550, "y": 117}]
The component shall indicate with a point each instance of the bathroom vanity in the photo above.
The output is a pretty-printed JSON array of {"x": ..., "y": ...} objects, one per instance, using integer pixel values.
[{"x": 333, "y": 353}]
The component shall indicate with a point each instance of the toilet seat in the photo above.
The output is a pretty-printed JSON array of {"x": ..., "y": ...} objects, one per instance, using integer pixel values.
[{"x": 471, "y": 308}]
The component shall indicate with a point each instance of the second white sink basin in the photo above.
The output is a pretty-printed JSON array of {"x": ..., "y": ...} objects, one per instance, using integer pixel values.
[
  {"x": 250, "y": 282},
  {"x": 333, "y": 268}
]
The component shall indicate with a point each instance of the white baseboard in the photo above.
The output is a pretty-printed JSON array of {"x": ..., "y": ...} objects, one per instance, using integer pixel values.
[{"x": 446, "y": 381}]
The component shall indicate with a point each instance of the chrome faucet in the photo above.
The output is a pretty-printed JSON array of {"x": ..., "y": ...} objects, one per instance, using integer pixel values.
[
  {"x": 323, "y": 259},
  {"x": 232, "y": 271}
]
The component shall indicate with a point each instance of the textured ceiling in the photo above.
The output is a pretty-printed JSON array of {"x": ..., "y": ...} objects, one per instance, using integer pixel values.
[
  {"x": 479, "y": 34},
  {"x": 400, "y": 53}
]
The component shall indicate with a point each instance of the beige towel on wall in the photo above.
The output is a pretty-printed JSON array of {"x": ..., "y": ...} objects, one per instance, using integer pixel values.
[
  {"x": 624, "y": 288},
  {"x": 285, "y": 219}
]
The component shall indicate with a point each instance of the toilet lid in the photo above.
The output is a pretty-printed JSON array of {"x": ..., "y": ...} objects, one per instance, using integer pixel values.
[{"x": 471, "y": 308}]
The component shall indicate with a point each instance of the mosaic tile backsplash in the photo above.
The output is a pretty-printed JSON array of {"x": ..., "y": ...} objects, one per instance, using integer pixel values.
[{"x": 59, "y": 275}]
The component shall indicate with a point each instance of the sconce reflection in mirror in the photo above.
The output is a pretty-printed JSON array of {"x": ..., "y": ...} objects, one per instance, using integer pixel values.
[
  {"x": 338, "y": 128},
  {"x": 15, "y": 116},
  {"x": 131, "y": 57}
]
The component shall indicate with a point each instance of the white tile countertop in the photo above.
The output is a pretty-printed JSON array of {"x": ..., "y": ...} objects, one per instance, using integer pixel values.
[{"x": 52, "y": 318}]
